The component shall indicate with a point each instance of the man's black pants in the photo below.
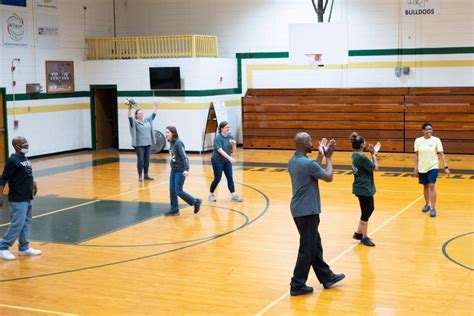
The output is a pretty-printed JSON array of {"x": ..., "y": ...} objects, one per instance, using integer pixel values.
[{"x": 310, "y": 253}]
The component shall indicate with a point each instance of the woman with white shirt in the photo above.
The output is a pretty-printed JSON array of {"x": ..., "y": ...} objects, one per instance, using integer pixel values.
[{"x": 427, "y": 149}]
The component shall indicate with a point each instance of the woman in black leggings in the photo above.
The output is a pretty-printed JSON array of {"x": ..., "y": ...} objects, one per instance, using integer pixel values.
[{"x": 364, "y": 186}]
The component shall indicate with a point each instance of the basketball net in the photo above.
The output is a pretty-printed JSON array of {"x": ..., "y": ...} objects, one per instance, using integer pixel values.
[{"x": 315, "y": 60}]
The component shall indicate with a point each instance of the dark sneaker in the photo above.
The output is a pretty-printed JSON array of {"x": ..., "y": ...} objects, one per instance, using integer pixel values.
[
  {"x": 294, "y": 291},
  {"x": 433, "y": 212},
  {"x": 147, "y": 177},
  {"x": 367, "y": 242},
  {"x": 197, "y": 206},
  {"x": 172, "y": 213},
  {"x": 333, "y": 280},
  {"x": 357, "y": 236},
  {"x": 426, "y": 208}
]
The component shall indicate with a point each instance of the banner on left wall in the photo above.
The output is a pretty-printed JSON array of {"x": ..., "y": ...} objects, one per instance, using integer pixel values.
[{"x": 15, "y": 29}]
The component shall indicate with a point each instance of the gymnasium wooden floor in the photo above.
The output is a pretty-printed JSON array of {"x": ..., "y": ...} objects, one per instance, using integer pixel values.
[{"x": 107, "y": 249}]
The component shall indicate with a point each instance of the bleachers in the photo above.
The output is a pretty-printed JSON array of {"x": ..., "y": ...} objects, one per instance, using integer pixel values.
[{"x": 271, "y": 117}]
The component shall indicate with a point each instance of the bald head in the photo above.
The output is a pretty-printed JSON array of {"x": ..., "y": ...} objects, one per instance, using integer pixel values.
[
  {"x": 303, "y": 142},
  {"x": 20, "y": 143}
]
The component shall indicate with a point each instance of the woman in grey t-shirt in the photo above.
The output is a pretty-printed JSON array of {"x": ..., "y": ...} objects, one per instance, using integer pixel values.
[
  {"x": 224, "y": 145},
  {"x": 141, "y": 130}
]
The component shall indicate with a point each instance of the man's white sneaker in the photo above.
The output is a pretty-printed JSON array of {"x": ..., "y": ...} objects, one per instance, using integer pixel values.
[
  {"x": 6, "y": 255},
  {"x": 30, "y": 252},
  {"x": 236, "y": 198},
  {"x": 212, "y": 197}
]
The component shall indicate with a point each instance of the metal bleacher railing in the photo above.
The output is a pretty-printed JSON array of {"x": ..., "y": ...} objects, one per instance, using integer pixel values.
[{"x": 170, "y": 46}]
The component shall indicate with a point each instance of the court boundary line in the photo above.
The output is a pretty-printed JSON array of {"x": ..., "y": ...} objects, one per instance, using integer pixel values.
[
  {"x": 445, "y": 251},
  {"x": 38, "y": 310},
  {"x": 287, "y": 293},
  {"x": 263, "y": 212}
]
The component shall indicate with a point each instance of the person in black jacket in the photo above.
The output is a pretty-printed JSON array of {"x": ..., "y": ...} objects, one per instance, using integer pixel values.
[
  {"x": 18, "y": 173},
  {"x": 179, "y": 172}
]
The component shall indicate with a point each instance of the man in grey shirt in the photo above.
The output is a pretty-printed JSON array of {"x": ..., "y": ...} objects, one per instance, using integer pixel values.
[{"x": 305, "y": 209}]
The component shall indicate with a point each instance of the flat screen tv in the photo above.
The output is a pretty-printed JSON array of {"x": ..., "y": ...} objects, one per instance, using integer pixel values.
[{"x": 165, "y": 78}]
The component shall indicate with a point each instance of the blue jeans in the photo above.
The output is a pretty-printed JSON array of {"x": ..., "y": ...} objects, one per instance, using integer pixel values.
[
  {"x": 143, "y": 159},
  {"x": 20, "y": 221},
  {"x": 218, "y": 167},
  {"x": 176, "y": 189}
]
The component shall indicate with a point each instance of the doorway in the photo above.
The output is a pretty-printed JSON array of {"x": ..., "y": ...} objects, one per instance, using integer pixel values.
[
  {"x": 104, "y": 117},
  {"x": 3, "y": 127}
]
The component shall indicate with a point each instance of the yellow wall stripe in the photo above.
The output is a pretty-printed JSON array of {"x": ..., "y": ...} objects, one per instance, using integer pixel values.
[
  {"x": 359, "y": 65},
  {"x": 47, "y": 108}
]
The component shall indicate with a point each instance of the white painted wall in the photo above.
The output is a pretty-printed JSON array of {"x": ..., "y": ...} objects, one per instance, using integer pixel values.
[
  {"x": 262, "y": 25},
  {"x": 241, "y": 26},
  {"x": 133, "y": 74},
  {"x": 57, "y": 131},
  {"x": 189, "y": 116}
]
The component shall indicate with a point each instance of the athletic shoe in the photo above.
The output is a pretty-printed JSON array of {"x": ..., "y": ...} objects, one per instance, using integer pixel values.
[
  {"x": 197, "y": 206},
  {"x": 301, "y": 290},
  {"x": 433, "y": 212},
  {"x": 357, "y": 236},
  {"x": 236, "y": 198},
  {"x": 6, "y": 255},
  {"x": 212, "y": 197},
  {"x": 147, "y": 177},
  {"x": 333, "y": 280},
  {"x": 172, "y": 213},
  {"x": 140, "y": 178},
  {"x": 426, "y": 208},
  {"x": 30, "y": 252},
  {"x": 366, "y": 241}
]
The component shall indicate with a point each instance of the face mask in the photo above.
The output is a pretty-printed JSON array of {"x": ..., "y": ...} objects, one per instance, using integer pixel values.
[{"x": 24, "y": 151}]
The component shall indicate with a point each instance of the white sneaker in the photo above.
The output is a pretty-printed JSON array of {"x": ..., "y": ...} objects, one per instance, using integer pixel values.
[
  {"x": 30, "y": 252},
  {"x": 212, "y": 197},
  {"x": 6, "y": 255},
  {"x": 236, "y": 198}
]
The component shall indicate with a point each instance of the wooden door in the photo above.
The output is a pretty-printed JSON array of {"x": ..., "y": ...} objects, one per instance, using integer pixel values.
[{"x": 103, "y": 120}]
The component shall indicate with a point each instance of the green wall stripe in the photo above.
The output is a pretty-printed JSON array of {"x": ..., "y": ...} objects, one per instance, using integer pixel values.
[
  {"x": 240, "y": 57},
  {"x": 41, "y": 96},
  {"x": 177, "y": 93},
  {"x": 412, "y": 51}
]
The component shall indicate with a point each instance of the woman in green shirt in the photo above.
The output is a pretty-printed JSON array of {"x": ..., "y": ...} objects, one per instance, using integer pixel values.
[{"x": 364, "y": 186}]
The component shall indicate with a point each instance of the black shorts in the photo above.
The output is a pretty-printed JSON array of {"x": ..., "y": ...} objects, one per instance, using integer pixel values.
[{"x": 366, "y": 207}]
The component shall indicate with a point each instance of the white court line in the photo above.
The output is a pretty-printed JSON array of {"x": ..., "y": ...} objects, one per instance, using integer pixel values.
[
  {"x": 286, "y": 294},
  {"x": 91, "y": 202},
  {"x": 35, "y": 310}
]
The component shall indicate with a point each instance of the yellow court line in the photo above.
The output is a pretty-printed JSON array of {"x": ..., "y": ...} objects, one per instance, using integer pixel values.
[
  {"x": 286, "y": 294},
  {"x": 35, "y": 310},
  {"x": 91, "y": 202}
]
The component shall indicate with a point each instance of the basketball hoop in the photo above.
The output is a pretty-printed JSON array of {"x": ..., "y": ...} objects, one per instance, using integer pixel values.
[{"x": 315, "y": 59}]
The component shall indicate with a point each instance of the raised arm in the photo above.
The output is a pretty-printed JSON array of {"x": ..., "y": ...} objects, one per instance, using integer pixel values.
[
  {"x": 374, "y": 150},
  {"x": 328, "y": 173}
]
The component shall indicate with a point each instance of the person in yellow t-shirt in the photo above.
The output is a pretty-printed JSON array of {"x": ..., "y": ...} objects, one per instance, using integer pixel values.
[{"x": 427, "y": 149}]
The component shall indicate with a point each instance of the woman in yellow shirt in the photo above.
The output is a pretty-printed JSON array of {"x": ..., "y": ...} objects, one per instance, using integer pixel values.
[{"x": 427, "y": 149}]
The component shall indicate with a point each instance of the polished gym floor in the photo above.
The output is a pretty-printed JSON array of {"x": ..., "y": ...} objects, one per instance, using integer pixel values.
[{"x": 108, "y": 249}]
